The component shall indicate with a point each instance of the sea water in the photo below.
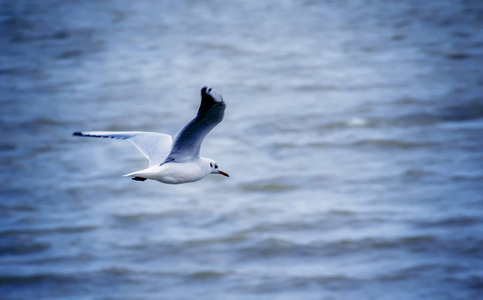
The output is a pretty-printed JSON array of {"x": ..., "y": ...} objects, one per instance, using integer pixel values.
[{"x": 353, "y": 136}]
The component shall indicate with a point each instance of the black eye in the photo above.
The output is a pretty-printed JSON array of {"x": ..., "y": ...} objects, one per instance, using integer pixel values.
[
  {"x": 216, "y": 166},
  {"x": 211, "y": 165}
]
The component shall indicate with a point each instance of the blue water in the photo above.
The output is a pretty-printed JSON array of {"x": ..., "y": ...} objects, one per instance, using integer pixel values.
[{"x": 352, "y": 135}]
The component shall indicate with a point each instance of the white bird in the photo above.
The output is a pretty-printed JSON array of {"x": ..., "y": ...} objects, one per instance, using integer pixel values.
[{"x": 175, "y": 161}]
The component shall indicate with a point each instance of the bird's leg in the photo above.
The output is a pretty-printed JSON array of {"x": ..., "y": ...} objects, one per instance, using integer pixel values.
[{"x": 138, "y": 178}]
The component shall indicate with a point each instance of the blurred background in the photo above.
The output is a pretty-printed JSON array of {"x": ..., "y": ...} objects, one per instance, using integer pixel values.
[{"x": 353, "y": 137}]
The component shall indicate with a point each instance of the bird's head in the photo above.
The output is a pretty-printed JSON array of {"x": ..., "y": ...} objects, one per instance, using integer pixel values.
[{"x": 215, "y": 169}]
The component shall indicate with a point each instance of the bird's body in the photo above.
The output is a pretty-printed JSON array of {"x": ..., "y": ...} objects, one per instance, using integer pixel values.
[
  {"x": 175, "y": 173},
  {"x": 175, "y": 161}
]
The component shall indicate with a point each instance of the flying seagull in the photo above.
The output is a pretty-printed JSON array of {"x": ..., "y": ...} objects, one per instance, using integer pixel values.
[{"x": 175, "y": 161}]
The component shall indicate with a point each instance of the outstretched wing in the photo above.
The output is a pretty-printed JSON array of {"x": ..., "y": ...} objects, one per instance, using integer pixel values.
[
  {"x": 154, "y": 146},
  {"x": 187, "y": 142}
]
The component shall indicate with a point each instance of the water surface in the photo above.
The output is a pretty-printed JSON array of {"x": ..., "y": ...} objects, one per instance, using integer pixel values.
[{"x": 353, "y": 137}]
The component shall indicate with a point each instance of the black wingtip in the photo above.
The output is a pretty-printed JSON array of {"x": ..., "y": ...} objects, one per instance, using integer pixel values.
[{"x": 77, "y": 133}]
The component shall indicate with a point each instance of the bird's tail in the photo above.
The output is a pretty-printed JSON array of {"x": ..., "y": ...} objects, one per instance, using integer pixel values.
[{"x": 138, "y": 175}]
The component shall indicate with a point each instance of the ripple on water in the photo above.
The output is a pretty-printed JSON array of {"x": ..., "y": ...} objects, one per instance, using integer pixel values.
[
  {"x": 270, "y": 283},
  {"x": 452, "y": 221},
  {"x": 18, "y": 208},
  {"x": 41, "y": 231},
  {"x": 34, "y": 278},
  {"x": 394, "y": 144},
  {"x": 23, "y": 247},
  {"x": 276, "y": 247},
  {"x": 267, "y": 186},
  {"x": 138, "y": 218}
]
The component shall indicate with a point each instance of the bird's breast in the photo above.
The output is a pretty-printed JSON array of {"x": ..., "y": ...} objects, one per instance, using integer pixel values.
[{"x": 175, "y": 173}]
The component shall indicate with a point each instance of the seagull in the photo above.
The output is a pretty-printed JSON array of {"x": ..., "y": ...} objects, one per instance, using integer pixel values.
[{"x": 175, "y": 161}]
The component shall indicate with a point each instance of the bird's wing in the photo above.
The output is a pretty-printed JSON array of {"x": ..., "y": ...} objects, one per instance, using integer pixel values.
[
  {"x": 187, "y": 142},
  {"x": 154, "y": 146}
]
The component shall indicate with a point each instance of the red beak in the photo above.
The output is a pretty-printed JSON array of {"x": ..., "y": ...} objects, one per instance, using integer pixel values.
[{"x": 223, "y": 173}]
